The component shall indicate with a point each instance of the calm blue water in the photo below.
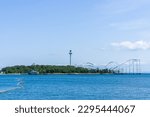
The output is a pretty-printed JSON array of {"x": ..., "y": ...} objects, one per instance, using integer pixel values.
[{"x": 74, "y": 87}]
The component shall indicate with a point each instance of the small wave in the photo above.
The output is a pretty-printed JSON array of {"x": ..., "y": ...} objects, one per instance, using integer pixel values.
[
  {"x": 7, "y": 90},
  {"x": 19, "y": 85}
]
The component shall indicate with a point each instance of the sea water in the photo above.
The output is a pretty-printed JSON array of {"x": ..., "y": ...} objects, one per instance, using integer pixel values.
[{"x": 75, "y": 87}]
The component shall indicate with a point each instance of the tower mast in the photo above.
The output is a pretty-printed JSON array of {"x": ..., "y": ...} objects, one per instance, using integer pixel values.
[{"x": 70, "y": 53}]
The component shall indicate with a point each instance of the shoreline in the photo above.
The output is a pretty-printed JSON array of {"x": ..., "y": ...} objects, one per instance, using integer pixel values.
[
  {"x": 55, "y": 74},
  {"x": 78, "y": 74}
]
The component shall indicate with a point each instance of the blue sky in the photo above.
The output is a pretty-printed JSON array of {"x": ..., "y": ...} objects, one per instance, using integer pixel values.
[{"x": 97, "y": 31}]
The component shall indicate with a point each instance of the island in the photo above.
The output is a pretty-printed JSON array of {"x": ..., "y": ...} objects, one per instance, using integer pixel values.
[{"x": 52, "y": 69}]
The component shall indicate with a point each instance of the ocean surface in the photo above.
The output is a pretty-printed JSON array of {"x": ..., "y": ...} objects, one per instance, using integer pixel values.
[{"x": 75, "y": 87}]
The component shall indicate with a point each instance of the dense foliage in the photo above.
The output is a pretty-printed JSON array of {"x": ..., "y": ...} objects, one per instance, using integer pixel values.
[{"x": 45, "y": 69}]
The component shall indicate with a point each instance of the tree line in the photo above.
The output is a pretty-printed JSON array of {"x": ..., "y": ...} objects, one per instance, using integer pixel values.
[{"x": 46, "y": 69}]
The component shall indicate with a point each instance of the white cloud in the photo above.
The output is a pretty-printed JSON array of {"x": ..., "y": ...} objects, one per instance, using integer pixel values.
[{"x": 136, "y": 45}]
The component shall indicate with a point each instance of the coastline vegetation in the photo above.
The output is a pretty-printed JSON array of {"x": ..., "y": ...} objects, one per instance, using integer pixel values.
[{"x": 51, "y": 69}]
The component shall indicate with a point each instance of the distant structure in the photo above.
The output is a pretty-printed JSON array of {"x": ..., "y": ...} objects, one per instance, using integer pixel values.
[
  {"x": 70, "y": 53},
  {"x": 131, "y": 66}
]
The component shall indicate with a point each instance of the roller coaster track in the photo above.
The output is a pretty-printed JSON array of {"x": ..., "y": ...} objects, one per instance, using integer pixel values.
[{"x": 131, "y": 66}]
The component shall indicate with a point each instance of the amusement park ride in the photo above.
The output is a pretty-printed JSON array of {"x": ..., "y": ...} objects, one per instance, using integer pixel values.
[{"x": 131, "y": 66}]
